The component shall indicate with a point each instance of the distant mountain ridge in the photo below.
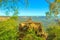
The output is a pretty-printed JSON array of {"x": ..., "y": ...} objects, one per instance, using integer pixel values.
[{"x": 41, "y": 19}]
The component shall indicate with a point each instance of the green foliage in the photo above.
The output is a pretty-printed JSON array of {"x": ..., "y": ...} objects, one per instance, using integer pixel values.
[
  {"x": 30, "y": 35},
  {"x": 54, "y": 8},
  {"x": 53, "y": 32},
  {"x": 53, "y": 28},
  {"x": 48, "y": 15},
  {"x": 8, "y": 30},
  {"x": 11, "y": 4}
]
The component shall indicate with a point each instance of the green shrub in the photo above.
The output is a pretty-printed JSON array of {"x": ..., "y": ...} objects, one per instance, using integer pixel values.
[{"x": 8, "y": 30}]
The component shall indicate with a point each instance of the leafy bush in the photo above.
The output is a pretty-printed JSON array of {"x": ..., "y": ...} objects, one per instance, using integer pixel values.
[
  {"x": 53, "y": 32},
  {"x": 8, "y": 30},
  {"x": 30, "y": 35}
]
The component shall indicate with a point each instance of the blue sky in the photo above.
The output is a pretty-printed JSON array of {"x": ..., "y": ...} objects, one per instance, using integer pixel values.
[{"x": 35, "y": 8}]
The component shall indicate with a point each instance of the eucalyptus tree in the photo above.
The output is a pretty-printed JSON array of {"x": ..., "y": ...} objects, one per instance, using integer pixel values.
[
  {"x": 12, "y": 5},
  {"x": 54, "y": 7},
  {"x": 9, "y": 28},
  {"x": 53, "y": 27}
]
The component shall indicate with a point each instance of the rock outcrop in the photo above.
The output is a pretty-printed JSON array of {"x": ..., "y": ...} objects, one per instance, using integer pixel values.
[{"x": 29, "y": 24}]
